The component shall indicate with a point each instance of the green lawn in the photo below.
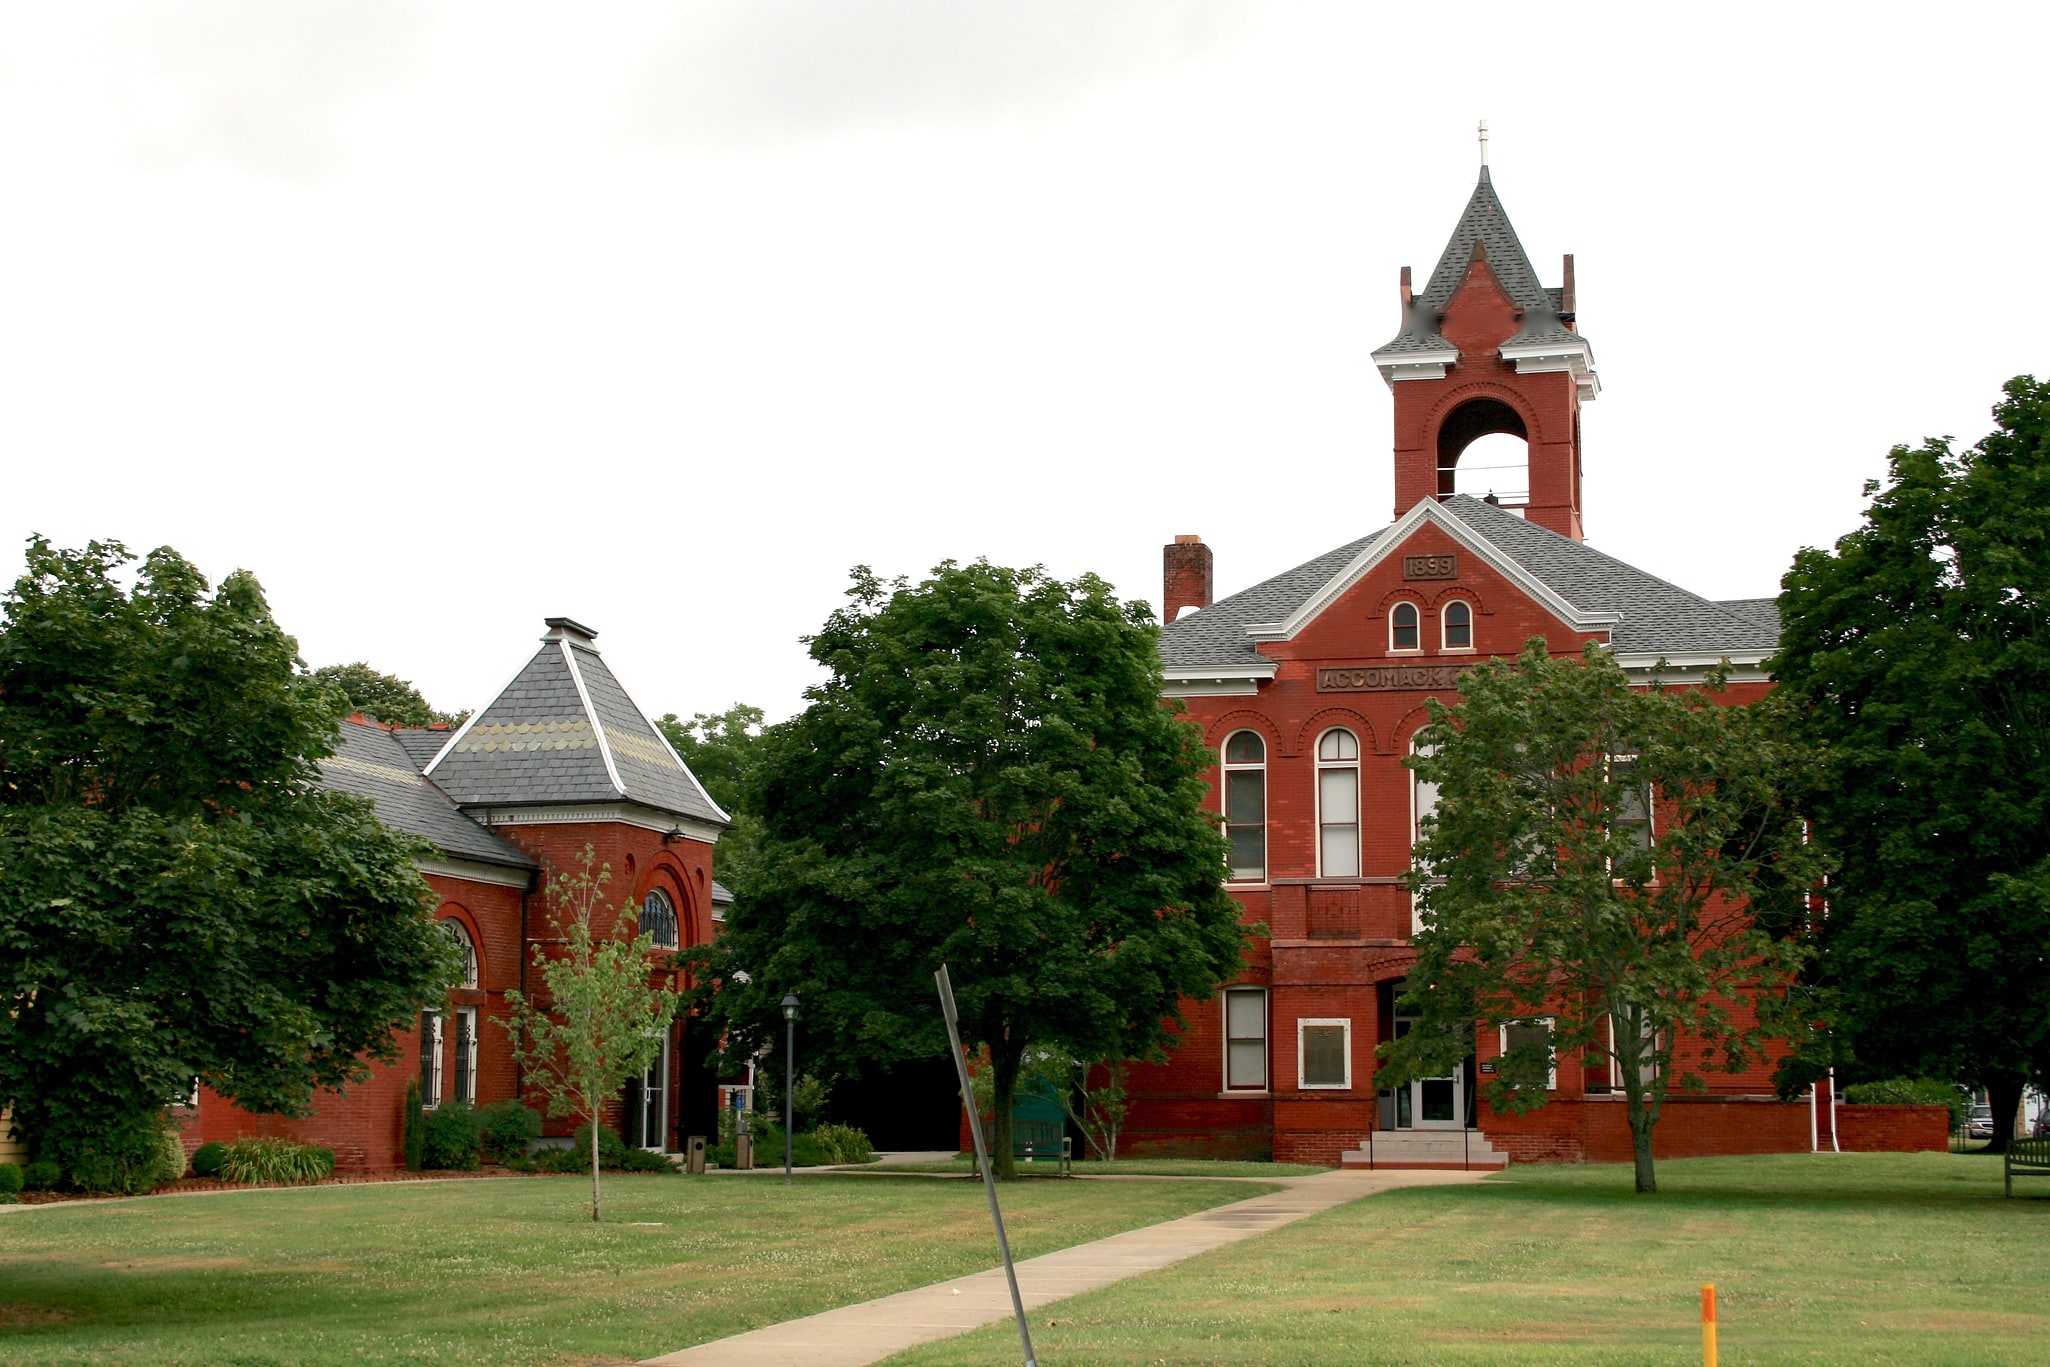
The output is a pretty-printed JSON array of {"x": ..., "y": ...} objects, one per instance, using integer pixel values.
[
  {"x": 1127, "y": 1167},
  {"x": 509, "y": 1272},
  {"x": 1895, "y": 1258}
]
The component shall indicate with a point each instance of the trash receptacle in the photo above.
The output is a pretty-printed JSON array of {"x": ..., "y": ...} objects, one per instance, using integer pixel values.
[
  {"x": 744, "y": 1152},
  {"x": 695, "y": 1151}
]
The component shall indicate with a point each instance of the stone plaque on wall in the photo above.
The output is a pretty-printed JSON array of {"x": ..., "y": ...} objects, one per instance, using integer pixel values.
[
  {"x": 1387, "y": 678},
  {"x": 1444, "y": 566}
]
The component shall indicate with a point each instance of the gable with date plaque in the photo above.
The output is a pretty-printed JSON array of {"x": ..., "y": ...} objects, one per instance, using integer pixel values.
[{"x": 1444, "y": 566}]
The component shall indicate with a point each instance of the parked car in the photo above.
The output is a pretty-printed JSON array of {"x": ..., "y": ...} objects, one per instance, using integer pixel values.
[{"x": 1979, "y": 1124}]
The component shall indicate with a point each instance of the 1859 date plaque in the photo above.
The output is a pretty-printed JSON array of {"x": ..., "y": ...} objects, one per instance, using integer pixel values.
[
  {"x": 1387, "y": 678},
  {"x": 1431, "y": 566}
]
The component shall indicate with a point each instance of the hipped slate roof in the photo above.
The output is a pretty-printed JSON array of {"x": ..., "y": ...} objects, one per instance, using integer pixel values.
[
  {"x": 372, "y": 762},
  {"x": 565, "y": 731},
  {"x": 1658, "y": 618}
]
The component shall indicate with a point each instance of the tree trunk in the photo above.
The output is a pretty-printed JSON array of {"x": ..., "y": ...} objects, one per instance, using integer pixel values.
[
  {"x": 594, "y": 1165},
  {"x": 1004, "y": 1058},
  {"x": 2004, "y": 1093},
  {"x": 1640, "y": 1143}
]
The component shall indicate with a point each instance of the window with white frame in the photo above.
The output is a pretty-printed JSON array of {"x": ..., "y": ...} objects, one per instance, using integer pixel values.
[
  {"x": 1633, "y": 812},
  {"x": 658, "y": 919},
  {"x": 1534, "y": 1034},
  {"x": 1338, "y": 804},
  {"x": 1404, "y": 631},
  {"x": 1647, "y": 1068},
  {"x": 1245, "y": 805},
  {"x": 1323, "y": 1053},
  {"x": 466, "y": 1055},
  {"x": 466, "y": 947},
  {"x": 1245, "y": 1039},
  {"x": 431, "y": 1041},
  {"x": 1455, "y": 622}
]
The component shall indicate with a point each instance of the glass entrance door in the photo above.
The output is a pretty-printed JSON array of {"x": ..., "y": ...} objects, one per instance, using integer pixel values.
[
  {"x": 648, "y": 1111},
  {"x": 1429, "y": 1103}
]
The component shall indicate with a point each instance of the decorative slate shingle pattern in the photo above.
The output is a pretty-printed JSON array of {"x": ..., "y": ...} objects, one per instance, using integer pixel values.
[
  {"x": 532, "y": 744},
  {"x": 372, "y": 762},
  {"x": 1657, "y": 617},
  {"x": 651, "y": 773},
  {"x": 1217, "y": 634}
]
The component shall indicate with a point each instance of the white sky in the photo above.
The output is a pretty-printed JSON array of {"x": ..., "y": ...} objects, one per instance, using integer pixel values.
[{"x": 445, "y": 319}]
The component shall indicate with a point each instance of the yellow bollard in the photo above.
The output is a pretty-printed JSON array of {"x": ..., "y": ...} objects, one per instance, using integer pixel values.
[{"x": 1708, "y": 1324}]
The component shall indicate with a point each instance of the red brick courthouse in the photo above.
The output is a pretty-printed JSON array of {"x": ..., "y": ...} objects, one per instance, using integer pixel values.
[
  {"x": 1310, "y": 688},
  {"x": 561, "y": 759}
]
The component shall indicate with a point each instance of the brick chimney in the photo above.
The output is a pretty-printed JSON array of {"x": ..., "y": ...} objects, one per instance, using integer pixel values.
[{"x": 1185, "y": 576}]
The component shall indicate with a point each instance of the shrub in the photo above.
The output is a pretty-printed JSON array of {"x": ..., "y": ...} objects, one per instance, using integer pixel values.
[
  {"x": 10, "y": 1182},
  {"x": 807, "y": 1150},
  {"x": 264, "y": 1159},
  {"x": 613, "y": 1155},
  {"x": 41, "y": 1175},
  {"x": 206, "y": 1159},
  {"x": 451, "y": 1130},
  {"x": 128, "y": 1160},
  {"x": 507, "y": 1129},
  {"x": 412, "y": 1126},
  {"x": 846, "y": 1143},
  {"x": 611, "y": 1148},
  {"x": 1910, "y": 1091},
  {"x": 170, "y": 1155}
]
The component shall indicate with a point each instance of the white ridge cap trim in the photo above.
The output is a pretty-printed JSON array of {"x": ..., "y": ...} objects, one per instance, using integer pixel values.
[
  {"x": 597, "y": 726},
  {"x": 724, "y": 815}
]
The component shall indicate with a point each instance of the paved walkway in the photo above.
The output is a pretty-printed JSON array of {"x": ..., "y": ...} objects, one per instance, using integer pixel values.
[{"x": 855, "y": 1335}]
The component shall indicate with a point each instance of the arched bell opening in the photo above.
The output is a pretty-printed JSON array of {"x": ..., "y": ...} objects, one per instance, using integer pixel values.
[{"x": 1484, "y": 452}]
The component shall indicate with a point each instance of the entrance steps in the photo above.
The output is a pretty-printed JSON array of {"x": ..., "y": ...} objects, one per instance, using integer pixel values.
[{"x": 1446, "y": 1150}]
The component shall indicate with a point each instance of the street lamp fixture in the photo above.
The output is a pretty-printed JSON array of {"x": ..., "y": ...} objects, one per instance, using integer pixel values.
[{"x": 789, "y": 1078}]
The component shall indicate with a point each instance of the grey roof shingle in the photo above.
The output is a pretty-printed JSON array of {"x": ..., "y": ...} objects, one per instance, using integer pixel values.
[
  {"x": 371, "y": 762},
  {"x": 1658, "y": 618},
  {"x": 422, "y": 744},
  {"x": 537, "y": 743},
  {"x": 721, "y": 896}
]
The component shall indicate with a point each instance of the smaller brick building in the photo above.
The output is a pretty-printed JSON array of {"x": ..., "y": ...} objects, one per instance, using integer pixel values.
[{"x": 560, "y": 760}]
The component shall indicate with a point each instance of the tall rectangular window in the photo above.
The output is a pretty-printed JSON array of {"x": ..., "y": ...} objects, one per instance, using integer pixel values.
[
  {"x": 1338, "y": 805},
  {"x": 1245, "y": 805},
  {"x": 430, "y": 1058},
  {"x": 1323, "y": 1053},
  {"x": 466, "y": 1054},
  {"x": 1633, "y": 807},
  {"x": 1245, "y": 1039}
]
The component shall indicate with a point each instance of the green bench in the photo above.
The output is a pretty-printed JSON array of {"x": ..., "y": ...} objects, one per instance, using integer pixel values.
[
  {"x": 2026, "y": 1158},
  {"x": 1043, "y": 1139}
]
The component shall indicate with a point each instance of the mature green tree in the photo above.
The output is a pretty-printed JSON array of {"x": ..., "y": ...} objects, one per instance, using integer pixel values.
[
  {"x": 597, "y": 1022},
  {"x": 178, "y": 899},
  {"x": 382, "y": 697},
  {"x": 720, "y": 749},
  {"x": 1605, "y": 861},
  {"x": 986, "y": 779},
  {"x": 1918, "y": 651}
]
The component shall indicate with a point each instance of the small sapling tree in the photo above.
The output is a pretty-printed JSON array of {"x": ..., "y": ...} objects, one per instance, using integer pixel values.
[
  {"x": 598, "y": 1022},
  {"x": 1600, "y": 878}
]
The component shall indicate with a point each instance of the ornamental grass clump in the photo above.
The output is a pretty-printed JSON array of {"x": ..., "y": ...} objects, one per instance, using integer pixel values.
[{"x": 265, "y": 1160}]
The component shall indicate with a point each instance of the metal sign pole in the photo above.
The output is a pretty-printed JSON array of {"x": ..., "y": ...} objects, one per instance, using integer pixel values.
[{"x": 989, "y": 1178}]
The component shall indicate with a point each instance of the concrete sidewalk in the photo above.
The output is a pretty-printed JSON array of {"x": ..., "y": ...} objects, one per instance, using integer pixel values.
[{"x": 855, "y": 1335}]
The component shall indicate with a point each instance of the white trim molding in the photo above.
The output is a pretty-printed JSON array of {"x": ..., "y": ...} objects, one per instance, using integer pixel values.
[
  {"x": 1396, "y": 366},
  {"x": 626, "y": 813},
  {"x": 1691, "y": 668},
  {"x": 1571, "y": 358},
  {"x": 470, "y": 871},
  {"x": 569, "y": 659}
]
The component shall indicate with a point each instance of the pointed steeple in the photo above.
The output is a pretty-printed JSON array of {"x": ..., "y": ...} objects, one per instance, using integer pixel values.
[{"x": 1486, "y": 222}]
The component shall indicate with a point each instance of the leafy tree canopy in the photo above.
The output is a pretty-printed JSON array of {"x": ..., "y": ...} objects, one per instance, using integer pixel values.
[
  {"x": 178, "y": 899},
  {"x": 720, "y": 749},
  {"x": 1918, "y": 654},
  {"x": 382, "y": 697},
  {"x": 986, "y": 779},
  {"x": 1602, "y": 858}
]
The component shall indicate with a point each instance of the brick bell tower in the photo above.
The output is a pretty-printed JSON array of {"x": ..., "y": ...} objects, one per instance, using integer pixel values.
[{"x": 1486, "y": 348}]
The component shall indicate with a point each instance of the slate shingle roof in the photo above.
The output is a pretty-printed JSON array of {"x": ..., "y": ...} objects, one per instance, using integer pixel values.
[
  {"x": 721, "y": 896},
  {"x": 1658, "y": 618},
  {"x": 538, "y": 742},
  {"x": 421, "y": 745},
  {"x": 372, "y": 762}
]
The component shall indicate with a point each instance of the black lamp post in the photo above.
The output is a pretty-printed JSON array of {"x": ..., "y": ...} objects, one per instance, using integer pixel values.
[{"x": 789, "y": 1078}]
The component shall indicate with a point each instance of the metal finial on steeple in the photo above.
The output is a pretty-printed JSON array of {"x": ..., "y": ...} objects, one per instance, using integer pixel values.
[{"x": 1484, "y": 142}]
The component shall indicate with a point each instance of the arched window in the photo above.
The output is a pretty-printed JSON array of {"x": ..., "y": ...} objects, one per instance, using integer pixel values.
[
  {"x": 1245, "y": 804},
  {"x": 658, "y": 918},
  {"x": 1338, "y": 804},
  {"x": 1402, "y": 628},
  {"x": 466, "y": 947},
  {"x": 1457, "y": 620}
]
